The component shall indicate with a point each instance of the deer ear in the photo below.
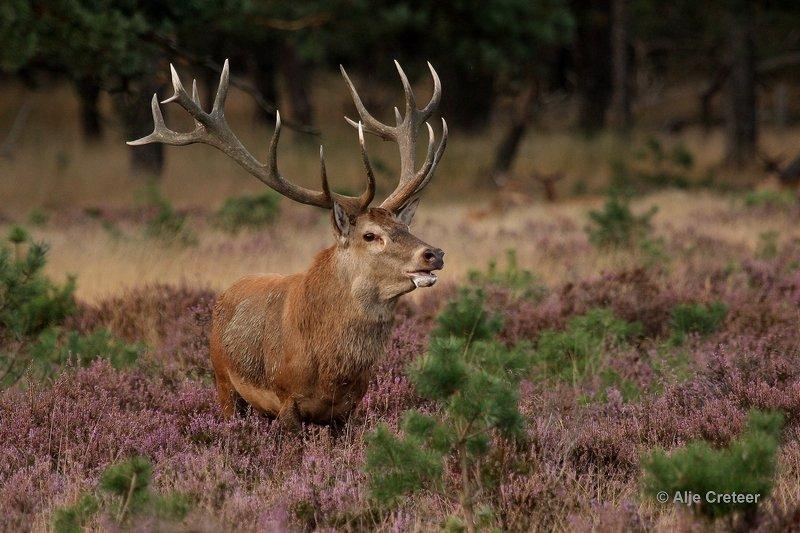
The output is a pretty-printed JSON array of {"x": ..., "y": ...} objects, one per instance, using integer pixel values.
[
  {"x": 341, "y": 221},
  {"x": 406, "y": 213}
]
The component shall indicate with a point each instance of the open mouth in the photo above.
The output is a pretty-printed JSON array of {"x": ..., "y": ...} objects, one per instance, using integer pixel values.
[{"x": 422, "y": 278}]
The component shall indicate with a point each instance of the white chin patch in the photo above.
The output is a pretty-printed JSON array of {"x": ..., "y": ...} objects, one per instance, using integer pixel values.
[{"x": 423, "y": 279}]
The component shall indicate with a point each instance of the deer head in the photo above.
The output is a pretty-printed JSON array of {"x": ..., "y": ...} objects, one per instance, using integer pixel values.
[{"x": 374, "y": 244}]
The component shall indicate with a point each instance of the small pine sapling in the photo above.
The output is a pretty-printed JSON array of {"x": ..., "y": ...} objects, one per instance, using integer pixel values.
[
  {"x": 473, "y": 381},
  {"x": 124, "y": 493},
  {"x": 521, "y": 283},
  {"x": 616, "y": 226},
  {"x": 745, "y": 467}
]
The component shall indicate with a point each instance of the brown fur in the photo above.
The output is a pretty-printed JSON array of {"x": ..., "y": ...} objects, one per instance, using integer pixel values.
[{"x": 302, "y": 347}]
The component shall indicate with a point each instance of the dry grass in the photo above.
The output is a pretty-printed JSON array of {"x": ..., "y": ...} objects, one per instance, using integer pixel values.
[{"x": 542, "y": 234}]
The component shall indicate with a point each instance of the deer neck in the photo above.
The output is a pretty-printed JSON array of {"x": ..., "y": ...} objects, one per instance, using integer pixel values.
[{"x": 350, "y": 289}]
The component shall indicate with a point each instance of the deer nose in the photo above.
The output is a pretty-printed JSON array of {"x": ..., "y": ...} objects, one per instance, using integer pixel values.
[{"x": 434, "y": 257}]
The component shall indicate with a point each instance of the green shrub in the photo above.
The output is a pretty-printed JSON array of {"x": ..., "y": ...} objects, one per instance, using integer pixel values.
[
  {"x": 474, "y": 380},
  {"x": 767, "y": 245},
  {"x": 652, "y": 167},
  {"x": 580, "y": 349},
  {"x": 616, "y": 226},
  {"x": 746, "y": 466},
  {"x": 248, "y": 212},
  {"x": 696, "y": 318},
  {"x": 54, "y": 348},
  {"x": 520, "y": 283},
  {"x": 30, "y": 302},
  {"x": 124, "y": 492},
  {"x": 128, "y": 482},
  {"x": 73, "y": 518},
  {"x": 770, "y": 198},
  {"x": 167, "y": 224},
  {"x": 466, "y": 317},
  {"x": 38, "y": 218}
]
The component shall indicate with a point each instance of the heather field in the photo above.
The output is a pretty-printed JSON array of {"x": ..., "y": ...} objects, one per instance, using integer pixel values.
[{"x": 669, "y": 338}]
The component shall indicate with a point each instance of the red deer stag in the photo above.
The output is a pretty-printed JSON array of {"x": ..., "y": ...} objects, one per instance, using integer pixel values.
[{"x": 302, "y": 347}]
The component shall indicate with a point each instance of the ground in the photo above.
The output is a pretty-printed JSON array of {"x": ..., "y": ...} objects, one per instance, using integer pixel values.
[{"x": 581, "y": 464}]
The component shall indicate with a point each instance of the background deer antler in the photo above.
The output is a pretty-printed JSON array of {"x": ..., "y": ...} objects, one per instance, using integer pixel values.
[
  {"x": 212, "y": 129},
  {"x": 412, "y": 181}
]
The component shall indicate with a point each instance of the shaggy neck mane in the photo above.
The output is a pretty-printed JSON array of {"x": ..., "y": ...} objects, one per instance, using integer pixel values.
[{"x": 335, "y": 281}]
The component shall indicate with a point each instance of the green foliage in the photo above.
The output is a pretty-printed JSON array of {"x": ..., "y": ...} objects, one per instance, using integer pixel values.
[
  {"x": 248, "y": 212},
  {"x": 167, "y": 224},
  {"x": 38, "y": 218},
  {"x": 73, "y": 518},
  {"x": 473, "y": 379},
  {"x": 770, "y": 198},
  {"x": 580, "y": 349},
  {"x": 767, "y": 245},
  {"x": 658, "y": 167},
  {"x": 128, "y": 484},
  {"x": 466, "y": 317},
  {"x": 29, "y": 301},
  {"x": 616, "y": 226},
  {"x": 398, "y": 465},
  {"x": 746, "y": 466},
  {"x": 53, "y": 349},
  {"x": 520, "y": 283},
  {"x": 129, "y": 481},
  {"x": 696, "y": 318}
]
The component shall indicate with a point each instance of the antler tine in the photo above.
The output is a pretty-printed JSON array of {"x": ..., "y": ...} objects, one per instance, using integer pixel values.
[
  {"x": 183, "y": 99},
  {"x": 436, "y": 158},
  {"x": 222, "y": 90},
  {"x": 369, "y": 194},
  {"x": 373, "y": 125},
  {"x": 324, "y": 174},
  {"x": 412, "y": 187},
  {"x": 433, "y": 103},
  {"x": 195, "y": 93},
  {"x": 162, "y": 134},
  {"x": 411, "y": 103}
]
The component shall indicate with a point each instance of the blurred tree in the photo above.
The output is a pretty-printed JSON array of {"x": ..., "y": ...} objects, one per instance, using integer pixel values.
[
  {"x": 592, "y": 62},
  {"x": 620, "y": 109},
  {"x": 741, "y": 124}
]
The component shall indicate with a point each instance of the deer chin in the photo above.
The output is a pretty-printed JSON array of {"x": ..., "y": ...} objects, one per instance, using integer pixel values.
[{"x": 422, "y": 278}]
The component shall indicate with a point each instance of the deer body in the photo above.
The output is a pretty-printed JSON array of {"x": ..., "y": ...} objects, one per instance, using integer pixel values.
[
  {"x": 298, "y": 342},
  {"x": 302, "y": 347}
]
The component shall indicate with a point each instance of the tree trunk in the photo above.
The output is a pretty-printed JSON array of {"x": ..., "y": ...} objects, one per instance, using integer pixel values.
[
  {"x": 262, "y": 68},
  {"x": 133, "y": 108},
  {"x": 592, "y": 62},
  {"x": 620, "y": 110},
  {"x": 741, "y": 117},
  {"x": 294, "y": 73},
  {"x": 506, "y": 151},
  {"x": 89, "y": 96},
  {"x": 468, "y": 99}
]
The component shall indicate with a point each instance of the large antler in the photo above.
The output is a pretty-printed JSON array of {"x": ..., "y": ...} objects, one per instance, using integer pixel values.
[
  {"x": 412, "y": 181},
  {"x": 212, "y": 129}
]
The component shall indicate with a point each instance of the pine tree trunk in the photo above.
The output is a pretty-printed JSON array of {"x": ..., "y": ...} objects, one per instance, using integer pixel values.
[
  {"x": 466, "y": 490},
  {"x": 506, "y": 151},
  {"x": 89, "y": 97},
  {"x": 620, "y": 110},
  {"x": 263, "y": 72},
  {"x": 468, "y": 99},
  {"x": 741, "y": 117},
  {"x": 133, "y": 108},
  {"x": 592, "y": 62},
  {"x": 295, "y": 79}
]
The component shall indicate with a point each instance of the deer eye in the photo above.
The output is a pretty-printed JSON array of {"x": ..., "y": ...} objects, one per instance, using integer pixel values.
[{"x": 369, "y": 237}]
